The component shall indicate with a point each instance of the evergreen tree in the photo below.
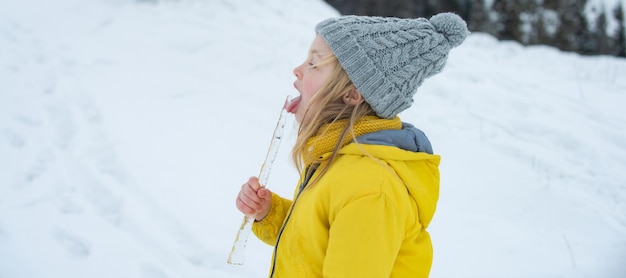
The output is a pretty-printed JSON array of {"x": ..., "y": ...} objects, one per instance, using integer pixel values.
[
  {"x": 559, "y": 23},
  {"x": 572, "y": 25},
  {"x": 620, "y": 41}
]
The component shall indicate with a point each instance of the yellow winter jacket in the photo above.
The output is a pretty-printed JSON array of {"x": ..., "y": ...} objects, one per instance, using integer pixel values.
[{"x": 365, "y": 217}]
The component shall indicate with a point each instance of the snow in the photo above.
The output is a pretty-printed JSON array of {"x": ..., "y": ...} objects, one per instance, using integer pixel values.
[{"x": 127, "y": 128}]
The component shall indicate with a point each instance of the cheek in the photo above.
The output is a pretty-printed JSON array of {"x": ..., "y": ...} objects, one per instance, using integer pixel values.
[
  {"x": 309, "y": 87},
  {"x": 312, "y": 85}
]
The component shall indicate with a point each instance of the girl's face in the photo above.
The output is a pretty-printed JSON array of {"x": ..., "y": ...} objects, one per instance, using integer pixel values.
[{"x": 310, "y": 77}]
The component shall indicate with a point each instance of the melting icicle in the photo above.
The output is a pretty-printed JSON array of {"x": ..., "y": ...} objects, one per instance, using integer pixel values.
[{"x": 237, "y": 254}]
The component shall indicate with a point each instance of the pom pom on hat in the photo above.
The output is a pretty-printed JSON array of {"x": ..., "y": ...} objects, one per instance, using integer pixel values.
[
  {"x": 451, "y": 26},
  {"x": 388, "y": 58}
]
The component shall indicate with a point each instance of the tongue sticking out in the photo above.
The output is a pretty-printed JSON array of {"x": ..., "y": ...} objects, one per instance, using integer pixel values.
[{"x": 290, "y": 106}]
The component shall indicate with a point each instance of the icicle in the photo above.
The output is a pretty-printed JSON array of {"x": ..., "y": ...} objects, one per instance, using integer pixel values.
[{"x": 237, "y": 254}]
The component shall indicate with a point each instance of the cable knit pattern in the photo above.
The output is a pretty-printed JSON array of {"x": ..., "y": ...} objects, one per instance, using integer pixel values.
[
  {"x": 329, "y": 134},
  {"x": 387, "y": 59}
]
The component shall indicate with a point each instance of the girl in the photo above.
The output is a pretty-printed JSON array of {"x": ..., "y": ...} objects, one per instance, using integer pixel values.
[{"x": 369, "y": 182}]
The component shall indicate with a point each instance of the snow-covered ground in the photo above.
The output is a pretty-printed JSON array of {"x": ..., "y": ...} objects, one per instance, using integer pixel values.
[{"x": 127, "y": 128}]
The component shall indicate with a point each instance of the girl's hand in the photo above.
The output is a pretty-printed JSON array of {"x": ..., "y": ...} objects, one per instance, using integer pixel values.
[{"x": 254, "y": 200}]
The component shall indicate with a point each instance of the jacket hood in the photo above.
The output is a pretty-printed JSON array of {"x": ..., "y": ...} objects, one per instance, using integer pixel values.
[
  {"x": 408, "y": 138},
  {"x": 409, "y": 152}
]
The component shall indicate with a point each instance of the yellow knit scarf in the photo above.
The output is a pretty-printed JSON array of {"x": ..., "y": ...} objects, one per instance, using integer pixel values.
[{"x": 326, "y": 139}]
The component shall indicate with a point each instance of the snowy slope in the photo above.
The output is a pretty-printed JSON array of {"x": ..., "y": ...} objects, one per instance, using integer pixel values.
[{"x": 127, "y": 128}]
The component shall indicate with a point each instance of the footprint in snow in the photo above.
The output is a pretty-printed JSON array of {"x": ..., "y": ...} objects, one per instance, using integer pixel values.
[{"x": 74, "y": 245}]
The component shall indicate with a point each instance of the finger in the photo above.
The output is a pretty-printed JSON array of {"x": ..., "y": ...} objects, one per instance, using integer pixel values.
[
  {"x": 252, "y": 206},
  {"x": 264, "y": 193},
  {"x": 254, "y": 183},
  {"x": 244, "y": 208},
  {"x": 250, "y": 196},
  {"x": 251, "y": 200}
]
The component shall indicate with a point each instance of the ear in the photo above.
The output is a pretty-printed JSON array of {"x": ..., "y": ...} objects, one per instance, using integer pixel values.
[{"x": 353, "y": 97}]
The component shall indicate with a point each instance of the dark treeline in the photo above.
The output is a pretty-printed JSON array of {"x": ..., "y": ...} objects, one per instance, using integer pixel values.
[{"x": 569, "y": 25}]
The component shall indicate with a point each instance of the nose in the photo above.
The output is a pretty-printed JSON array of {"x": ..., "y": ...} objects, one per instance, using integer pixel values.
[{"x": 298, "y": 72}]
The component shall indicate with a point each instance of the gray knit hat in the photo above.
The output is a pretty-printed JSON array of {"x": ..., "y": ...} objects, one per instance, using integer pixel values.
[{"x": 388, "y": 58}]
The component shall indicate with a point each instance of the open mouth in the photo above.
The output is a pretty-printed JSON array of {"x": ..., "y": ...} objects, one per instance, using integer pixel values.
[{"x": 290, "y": 105}]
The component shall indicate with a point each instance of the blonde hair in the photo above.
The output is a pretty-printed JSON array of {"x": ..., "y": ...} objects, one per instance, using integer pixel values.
[{"x": 329, "y": 107}]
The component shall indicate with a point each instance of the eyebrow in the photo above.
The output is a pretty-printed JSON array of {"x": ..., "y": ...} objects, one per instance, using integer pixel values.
[{"x": 314, "y": 52}]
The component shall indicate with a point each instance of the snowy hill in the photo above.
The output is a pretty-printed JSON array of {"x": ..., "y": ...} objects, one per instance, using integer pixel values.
[{"x": 127, "y": 128}]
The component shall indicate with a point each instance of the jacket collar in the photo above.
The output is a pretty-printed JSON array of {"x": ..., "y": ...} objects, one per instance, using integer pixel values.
[{"x": 328, "y": 136}]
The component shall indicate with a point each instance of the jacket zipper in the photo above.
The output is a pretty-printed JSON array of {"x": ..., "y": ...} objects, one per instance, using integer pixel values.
[{"x": 309, "y": 173}]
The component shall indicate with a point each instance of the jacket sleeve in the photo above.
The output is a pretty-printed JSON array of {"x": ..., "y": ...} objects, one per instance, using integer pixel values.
[
  {"x": 364, "y": 238},
  {"x": 267, "y": 229}
]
